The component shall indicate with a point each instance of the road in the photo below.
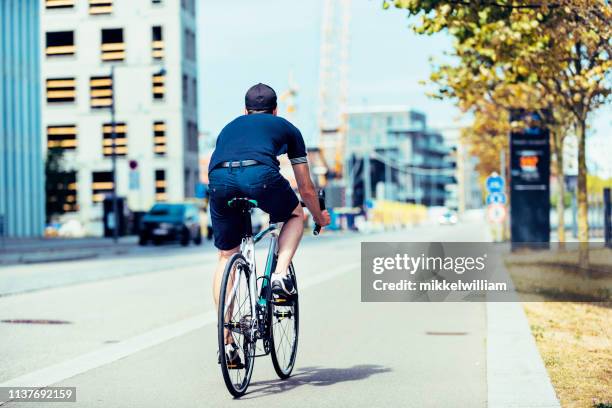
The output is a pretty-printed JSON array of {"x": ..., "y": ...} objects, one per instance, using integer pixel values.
[{"x": 139, "y": 331}]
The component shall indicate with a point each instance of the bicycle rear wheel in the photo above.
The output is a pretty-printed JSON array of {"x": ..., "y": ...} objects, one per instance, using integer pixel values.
[
  {"x": 284, "y": 329},
  {"x": 235, "y": 321}
]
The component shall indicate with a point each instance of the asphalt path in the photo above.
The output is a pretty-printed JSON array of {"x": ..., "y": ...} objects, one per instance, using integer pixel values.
[{"x": 139, "y": 331}]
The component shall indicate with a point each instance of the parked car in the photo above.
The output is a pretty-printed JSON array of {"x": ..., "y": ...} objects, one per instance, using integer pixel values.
[{"x": 171, "y": 222}]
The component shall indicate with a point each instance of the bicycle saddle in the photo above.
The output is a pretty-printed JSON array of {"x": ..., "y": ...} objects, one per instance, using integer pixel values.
[{"x": 242, "y": 203}]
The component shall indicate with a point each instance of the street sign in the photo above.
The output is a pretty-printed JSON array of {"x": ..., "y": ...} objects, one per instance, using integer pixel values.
[
  {"x": 496, "y": 213},
  {"x": 496, "y": 198},
  {"x": 495, "y": 183},
  {"x": 134, "y": 179}
]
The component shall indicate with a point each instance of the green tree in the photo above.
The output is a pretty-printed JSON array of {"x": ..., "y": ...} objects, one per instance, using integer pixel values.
[
  {"x": 559, "y": 50},
  {"x": 56, "y": 183}
]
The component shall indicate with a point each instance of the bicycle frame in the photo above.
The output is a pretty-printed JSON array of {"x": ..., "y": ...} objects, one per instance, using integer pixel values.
[{"x": 247, "y": 249}]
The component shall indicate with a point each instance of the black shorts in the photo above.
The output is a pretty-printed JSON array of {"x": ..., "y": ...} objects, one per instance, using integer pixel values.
[{"x": 263, "y": 183}]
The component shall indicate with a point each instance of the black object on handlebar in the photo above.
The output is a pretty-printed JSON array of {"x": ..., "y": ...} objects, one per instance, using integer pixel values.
[{"x": 317, "y": 228}]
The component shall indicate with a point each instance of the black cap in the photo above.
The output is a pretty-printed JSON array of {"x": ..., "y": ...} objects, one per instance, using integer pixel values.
[{"x": 260, "y": 97}]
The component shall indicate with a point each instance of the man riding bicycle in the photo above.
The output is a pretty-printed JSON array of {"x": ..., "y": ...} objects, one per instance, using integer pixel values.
[{"x": 245, "y": 164}]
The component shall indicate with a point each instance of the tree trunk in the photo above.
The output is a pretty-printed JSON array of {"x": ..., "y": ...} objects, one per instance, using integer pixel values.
[
  {"x": 583, "y": 222},
  {"x": 557, "y": 140}
]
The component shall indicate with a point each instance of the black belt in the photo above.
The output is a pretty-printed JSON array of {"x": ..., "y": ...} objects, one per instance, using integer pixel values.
[{"x": 239, "y": 163}]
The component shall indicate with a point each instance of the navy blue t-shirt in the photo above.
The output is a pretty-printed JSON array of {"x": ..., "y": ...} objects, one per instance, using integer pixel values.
[{"x": 261, "y": 137}]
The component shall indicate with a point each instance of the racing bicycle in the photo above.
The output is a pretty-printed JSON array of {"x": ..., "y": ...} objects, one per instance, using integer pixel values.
[{"x": 258, "y": 323}]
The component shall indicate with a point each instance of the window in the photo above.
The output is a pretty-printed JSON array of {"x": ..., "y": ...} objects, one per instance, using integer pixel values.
[
  {"x": 61, "y": 90},
  {"x": 159, "y": 89},
  {"x": 189, "y": 5},
  {"x": 62, "y": 192},
  {"x": 100, "y": 91},
  {"x": 160, "y": 185},
  {"x": 187, "y": 186},
  {"x": 159, "y": 138},
  {"x": 70, "y": 204},
  {"x": 113, "y": 47},
  {"x": 185, "y": 88},
  {"x": 194, "y": 90},
  {"x": 62, "y": 137},
  {"x": 157, "y": 43},
  {"x": 189, "y": 42},
  {"x": 100, "y": 6},
  {"x": 60, "y": 43},
  {"x": 57, "y": 4},
  {"x": 192, "y": 136},
  {"x": 120, "y": 139},
  {"x": 101, "y": 186}
]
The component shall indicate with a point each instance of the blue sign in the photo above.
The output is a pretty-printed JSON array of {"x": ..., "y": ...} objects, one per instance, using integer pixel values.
[
  {"x": 495, "y": 183},
  {"x": 496, "y": 198},
  {"x": 201, "y": 190},
  {"x": 134, "y": 180}
]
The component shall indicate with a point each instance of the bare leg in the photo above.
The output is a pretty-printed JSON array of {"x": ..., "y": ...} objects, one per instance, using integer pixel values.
[
  {"x": 224, "y": 256},
  {"x": 289, "y": 239}
]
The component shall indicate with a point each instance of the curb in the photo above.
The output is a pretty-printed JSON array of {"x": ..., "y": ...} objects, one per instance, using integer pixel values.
[
  {"x": 60, "y": 256},
  {"x": 516, "y": 375}
]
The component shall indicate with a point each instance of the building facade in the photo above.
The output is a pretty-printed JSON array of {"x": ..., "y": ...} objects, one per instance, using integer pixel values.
[
  {"x": 22, "y": 200},
  {"x": 393, "y": 155},
  {"x": 151, "y": 45}
]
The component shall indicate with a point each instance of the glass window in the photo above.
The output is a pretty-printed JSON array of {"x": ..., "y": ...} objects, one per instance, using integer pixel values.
[
  {"x": 159, "y": 89},
  {"x": 194, "y": 91},
  {"x": 61, "y": 90},
  {"x": 192, "y": 136},
  {"x": 100, "y": 7},
  {"x": 101, "y": 186},
  {"x": 62, "y": 137},
  {"x": 157, "y": 43},
  {"x": 62, "y": 193},
  {"x": 160, "y": 185},
  {"x": 121, "y": 147},
  {"x": 100, "y": 91},
  {"x": 185, "y": 88},
  {"x": 159, "y": 138},
  {"x": 60, "y": 43},
  {"x": 113, "y": 47},
  {"x": 57, "y": 4}
]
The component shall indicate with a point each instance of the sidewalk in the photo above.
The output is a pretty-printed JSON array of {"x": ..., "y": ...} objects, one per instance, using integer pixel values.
[
  {"x": 516, "y": 375},
  {"x": 36, "y": 250}
]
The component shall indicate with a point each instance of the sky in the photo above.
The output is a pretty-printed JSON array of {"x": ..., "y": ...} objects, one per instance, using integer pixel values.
[{"x": 243, "y": 42}]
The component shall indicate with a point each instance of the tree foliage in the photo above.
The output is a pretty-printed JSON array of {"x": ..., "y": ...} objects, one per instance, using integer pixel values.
[{"x": 549, "y": 55}]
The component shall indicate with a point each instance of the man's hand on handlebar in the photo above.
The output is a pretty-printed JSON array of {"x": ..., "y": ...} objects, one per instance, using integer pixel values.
[{"x": 323, "y": 220}]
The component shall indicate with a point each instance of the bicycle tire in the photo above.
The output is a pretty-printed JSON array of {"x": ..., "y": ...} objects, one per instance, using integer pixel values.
[
  {"x": 239, "y": 388},
  {"x": 283, "y": 365}
]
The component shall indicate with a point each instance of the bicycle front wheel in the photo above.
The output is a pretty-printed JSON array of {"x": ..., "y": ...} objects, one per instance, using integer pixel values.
[
  {"x": 284, "y": 322},
  {"x": 234, "y": 326}
]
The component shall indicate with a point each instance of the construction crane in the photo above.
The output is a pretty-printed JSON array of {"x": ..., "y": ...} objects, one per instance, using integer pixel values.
[
  {"x": 333, "y": 85},
  {"x": 289, "y": 96}
]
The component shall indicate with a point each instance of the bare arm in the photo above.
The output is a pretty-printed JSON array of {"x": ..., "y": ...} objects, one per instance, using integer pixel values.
[{"x": 308, "y": 193}]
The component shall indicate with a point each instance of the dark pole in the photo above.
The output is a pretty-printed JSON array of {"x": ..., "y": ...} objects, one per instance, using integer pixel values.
[
  {"x": 607, "y": 217},
  {"x": 114, "y": 158}
]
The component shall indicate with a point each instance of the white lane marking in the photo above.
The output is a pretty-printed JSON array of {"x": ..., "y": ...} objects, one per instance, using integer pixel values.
[{"x": 108, "y": 354}]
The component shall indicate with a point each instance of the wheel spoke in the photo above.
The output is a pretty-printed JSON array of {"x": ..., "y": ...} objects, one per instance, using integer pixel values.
[{"x": 237, "y": 311}]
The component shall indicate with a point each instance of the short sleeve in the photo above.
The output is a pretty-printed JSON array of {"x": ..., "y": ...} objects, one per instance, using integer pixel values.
[{"x": 296, "y": 149}]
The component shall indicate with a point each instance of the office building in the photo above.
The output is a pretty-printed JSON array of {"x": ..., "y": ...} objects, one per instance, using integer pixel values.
[
  {"x": 152, "y": 46},
  {"x": 393, "y": 155},
  {"x": 22, "y": 199}
]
